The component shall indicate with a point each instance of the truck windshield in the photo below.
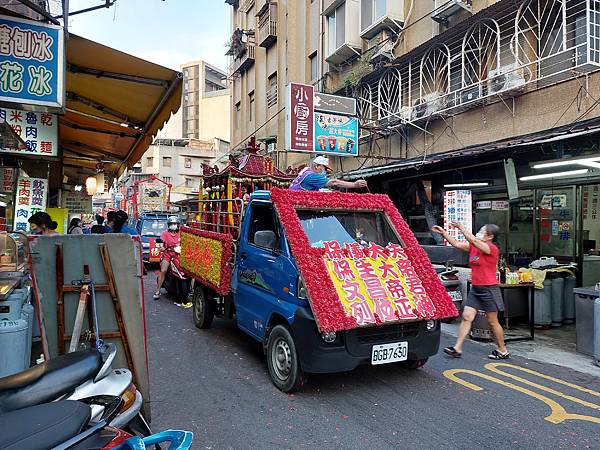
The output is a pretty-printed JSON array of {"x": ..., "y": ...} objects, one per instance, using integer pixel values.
[
  {"x": 346, "y": 227},
  {"x": 153, "y": 227}
]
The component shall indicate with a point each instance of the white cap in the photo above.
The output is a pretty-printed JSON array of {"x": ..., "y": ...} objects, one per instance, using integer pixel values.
[{"x": 322, "y": 161}]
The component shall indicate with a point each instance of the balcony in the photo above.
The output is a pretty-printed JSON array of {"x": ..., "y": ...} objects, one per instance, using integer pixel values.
[
  {"x": 246, "y": 5},
  {"x": 445, "y": 9},
  {"x": 244, "y": 59},
  {"x": 267, "y": 33}
]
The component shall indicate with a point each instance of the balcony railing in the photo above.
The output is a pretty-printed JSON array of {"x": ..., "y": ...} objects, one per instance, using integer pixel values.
[
  {"x": 267, "y": 32},
  {"x": 272, "y": 97},
  {"x": 244, "y": 60}
]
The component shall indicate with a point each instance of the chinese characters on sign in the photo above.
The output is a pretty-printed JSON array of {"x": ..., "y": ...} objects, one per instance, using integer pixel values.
[
  {"x": 300, "y": 118},
  {"x": 7, "y": 179},
  {"x": 376, "y": 284},
  {"x": 31, "y": 198},
  {"x": 31, "y": 62},
  {"x": 458, "y": 207},
  {"x": 76, "y": 202},
  {"x": 336, "y": 135},
  {"x": 39, "y": 131}
]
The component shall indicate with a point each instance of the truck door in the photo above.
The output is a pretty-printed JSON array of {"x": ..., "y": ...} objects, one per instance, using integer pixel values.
[{"x": 263, "y": 270}]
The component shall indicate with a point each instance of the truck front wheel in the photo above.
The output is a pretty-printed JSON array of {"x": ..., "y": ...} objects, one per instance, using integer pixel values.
[
  {"x": 282, "y": 359},
  {"x": 204, "y": 307}
]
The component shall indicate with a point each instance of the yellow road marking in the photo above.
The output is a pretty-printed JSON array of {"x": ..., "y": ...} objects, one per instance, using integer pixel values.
[
  {"x": 558, "y": 413},
  {"x": 492, "y": 367}
]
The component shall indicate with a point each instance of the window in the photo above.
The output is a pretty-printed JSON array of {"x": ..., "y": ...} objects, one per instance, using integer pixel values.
[
  {"x": 272, "y": 91},
  {"x": 185, "y": 73},
  {"x": 251, "y": 106},
  {"x": 237, "y": 115},
  {"x": 314, "y": 67},
  {"x": 262, "y": 220},
  {"x": 168, "y": 180},
  {"x": 187, "y": 163},
  {"x": 189, "y": 182},
  {"x": 167, "y": 161},
  {"x": 150, "y": 161},
  {"x": 336, "y": 28},
  {"x": 372, "y": 11}
]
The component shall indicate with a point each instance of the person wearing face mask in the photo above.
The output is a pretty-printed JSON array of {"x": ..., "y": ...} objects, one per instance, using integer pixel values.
[
  {"x": 42, "y": 224},
  {"x": 171, "y": 239},
  {"x": 485, "y": 293}
]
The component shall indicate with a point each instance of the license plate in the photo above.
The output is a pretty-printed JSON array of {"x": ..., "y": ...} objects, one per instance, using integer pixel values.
[
  {"x": 389, "y": 353},
  {"x": 455, "y": 295}
]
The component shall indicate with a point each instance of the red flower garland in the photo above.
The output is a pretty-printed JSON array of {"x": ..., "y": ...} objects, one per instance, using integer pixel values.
[
  {"x": 226, "y": 243},
  {"x": 327, "y": 308}
]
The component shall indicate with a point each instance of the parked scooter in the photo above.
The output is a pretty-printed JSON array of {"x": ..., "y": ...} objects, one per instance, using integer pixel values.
[
  {"x": 449, "y": 277},
  {"x": 76, "y": 376}
]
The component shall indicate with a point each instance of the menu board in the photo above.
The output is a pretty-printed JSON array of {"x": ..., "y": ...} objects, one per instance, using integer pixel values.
[
  {"x": 31, "y": 198},
  {"x": 7, "y": 179},
  {"x": 458, "y": 207},
  {"x": 39, "y": 131}
]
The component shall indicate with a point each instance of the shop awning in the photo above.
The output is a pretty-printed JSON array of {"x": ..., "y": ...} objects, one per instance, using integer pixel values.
[
  {"x": 560, "y": 133},
  {"x": 115, "y": 105}
]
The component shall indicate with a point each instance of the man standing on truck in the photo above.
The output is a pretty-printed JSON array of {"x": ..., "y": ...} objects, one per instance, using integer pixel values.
[
  {"x": 314, "y": 178},
  {"x": 485, "y": 293}
]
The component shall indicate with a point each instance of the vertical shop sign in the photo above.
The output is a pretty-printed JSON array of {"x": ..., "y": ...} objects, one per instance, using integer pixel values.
[
  {"x": 39, "y": 131},
  {"x": 300, "y": 118},
  {"x": 458, "y": 207},
  {"x": 7, "y": 179},
  {"x": 31, "y": 62},
  {"x": 31, "y": 198}
]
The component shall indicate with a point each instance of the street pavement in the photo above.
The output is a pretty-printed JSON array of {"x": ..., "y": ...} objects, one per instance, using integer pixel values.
[{"x": 215, "y": 383}]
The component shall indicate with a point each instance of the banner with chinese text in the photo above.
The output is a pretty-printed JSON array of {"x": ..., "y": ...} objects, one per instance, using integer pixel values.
[
  {"x": 39, "y": 131},
  {"x": 31, "y": 62},
  {"x": 31, "y": 198},
  {"x": 458, "y": 207},
  {"x": 377, "y": 284}
]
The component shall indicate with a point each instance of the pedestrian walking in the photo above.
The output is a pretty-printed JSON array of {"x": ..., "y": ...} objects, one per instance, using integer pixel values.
[
  {"x": 75, "y": 226},
  {"x": 485, "y": 293},
  {"x": 314, "y": 178}
]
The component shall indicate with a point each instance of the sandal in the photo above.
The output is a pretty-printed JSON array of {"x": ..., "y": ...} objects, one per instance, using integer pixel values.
[
  {"x": 497, "y": 355},
  {"x": 452, "y": 352},
  {"x": 156, "y": 295}
]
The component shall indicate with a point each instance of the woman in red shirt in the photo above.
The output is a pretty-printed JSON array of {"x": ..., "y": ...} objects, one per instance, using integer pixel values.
[{"x": 485, "y": 293}]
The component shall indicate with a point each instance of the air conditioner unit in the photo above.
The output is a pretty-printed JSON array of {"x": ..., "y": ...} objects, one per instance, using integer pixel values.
[
  {"x": 272, "y": 147},
  {"x": 405, "y": 113},
  {"x": 470, "y": 93},
  {"x": 428, "y": 105},
  {"x": 505, "y": 79},
  {"x": 383, "y": 42}
]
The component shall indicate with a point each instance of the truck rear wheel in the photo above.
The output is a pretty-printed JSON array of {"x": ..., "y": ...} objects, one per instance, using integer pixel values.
[
  {"x": 282, "y": 359},
  {"x": 204, "y": 307}
]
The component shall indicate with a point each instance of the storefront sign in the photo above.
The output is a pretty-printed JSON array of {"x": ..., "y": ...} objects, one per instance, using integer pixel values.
[
  {"x": 31, "y": 198},
  {"x": 335, "y": 104},
  {"x": 458, "y": 207},
  {"x": 376, "y": 284},
  {"x": 486, "y": 204},
  {"x": 39, "y": 131},
  {"x": 77, "y": 202},
  {"x": 8, "y": 176},
  {"x": 336, "y": 135},
  {"x": 300, "y": 118},
  {"x": 500, "y": 205},
  {"x": 31, "y": 62}
]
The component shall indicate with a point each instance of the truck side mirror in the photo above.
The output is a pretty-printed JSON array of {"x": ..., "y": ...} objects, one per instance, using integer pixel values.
[{"x": 265, "y": 239}]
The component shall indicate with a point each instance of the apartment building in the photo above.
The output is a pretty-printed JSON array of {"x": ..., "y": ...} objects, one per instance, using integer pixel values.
[{"x": 206, "y": 103}]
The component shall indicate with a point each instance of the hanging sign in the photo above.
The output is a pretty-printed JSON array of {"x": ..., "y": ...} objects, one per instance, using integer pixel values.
[
  {"x": 31, "y": 62},
  {"x": 376, "y": 284},
  {"x": 39, "y": 131},
  {"x": 458, "y": 207},
  {"x": 31, "y": 198},
  {"x": 484, "y": 204},
  {"x": 7, "y": 179},
  {"x": 336, "y": 134},
  {"x": 77, "y": 202},
  {"x": 300, "y": 118},
  {"x": 500, "y": 205}
]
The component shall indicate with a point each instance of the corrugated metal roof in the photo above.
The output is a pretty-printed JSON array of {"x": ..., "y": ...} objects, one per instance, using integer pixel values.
[{"x": 541, "y": 137}]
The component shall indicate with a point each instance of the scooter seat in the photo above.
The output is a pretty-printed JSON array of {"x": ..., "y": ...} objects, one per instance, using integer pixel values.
[
  {"x": 48, "y": 381},
  {"x": 43, "y": 426}
]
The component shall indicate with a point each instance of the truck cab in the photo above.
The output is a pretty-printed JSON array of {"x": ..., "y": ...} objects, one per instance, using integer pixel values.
[
  {"x": 149, "y": 226},
  {"x": 270, "y": 302}
]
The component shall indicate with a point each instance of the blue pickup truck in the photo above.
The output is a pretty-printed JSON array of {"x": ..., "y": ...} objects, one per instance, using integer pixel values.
[
  {"x": 270, "y": 302},
  {"x": 149, "y": 226}
]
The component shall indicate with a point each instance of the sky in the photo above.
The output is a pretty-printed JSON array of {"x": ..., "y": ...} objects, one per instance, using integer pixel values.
[{"x": 169, "y": 32}]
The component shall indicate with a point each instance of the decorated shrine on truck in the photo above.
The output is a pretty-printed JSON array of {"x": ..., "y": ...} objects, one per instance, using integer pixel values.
[{"x": 358, "y": 260}]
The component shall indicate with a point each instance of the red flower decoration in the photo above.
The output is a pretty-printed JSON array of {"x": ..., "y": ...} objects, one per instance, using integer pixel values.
[
  {"x": 326, "y": 306},
  {"x": 198, "y": 259}
]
